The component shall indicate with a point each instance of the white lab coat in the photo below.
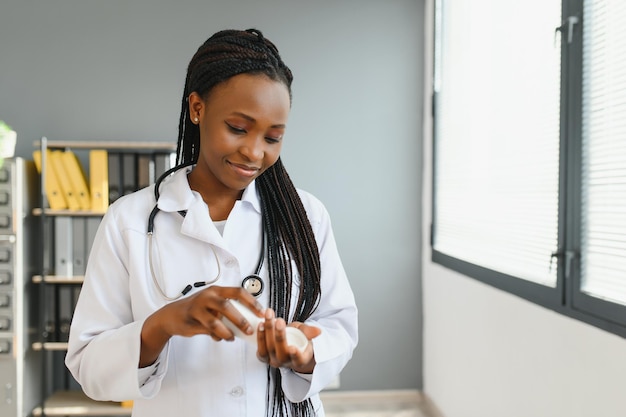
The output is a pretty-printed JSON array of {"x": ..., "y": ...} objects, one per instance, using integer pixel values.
[{"x": 194, "y": 376}]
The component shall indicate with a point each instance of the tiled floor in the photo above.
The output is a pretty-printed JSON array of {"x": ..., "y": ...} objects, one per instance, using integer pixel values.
[{"x": 403, "y": 403}]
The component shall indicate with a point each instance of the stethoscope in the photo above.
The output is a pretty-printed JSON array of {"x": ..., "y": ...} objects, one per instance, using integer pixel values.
[{"x": 253, "y": 283}]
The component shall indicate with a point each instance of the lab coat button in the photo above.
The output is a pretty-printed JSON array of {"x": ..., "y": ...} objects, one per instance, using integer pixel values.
[
  {"x": 231, "y": 262},
  {"x": 236, "y": 392}
]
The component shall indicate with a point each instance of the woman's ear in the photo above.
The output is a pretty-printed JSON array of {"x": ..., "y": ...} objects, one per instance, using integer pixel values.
[{"x": 196, "y": 107}]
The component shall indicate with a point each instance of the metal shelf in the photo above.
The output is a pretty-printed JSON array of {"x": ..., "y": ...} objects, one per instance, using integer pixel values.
[
  {"x": 66, "y": 212},
  {"x": 135, "y": 145},
  {"x": 58, "y": 346},
  {"x": 75, "y": 403},
  {"x": 59, "y": 279}
]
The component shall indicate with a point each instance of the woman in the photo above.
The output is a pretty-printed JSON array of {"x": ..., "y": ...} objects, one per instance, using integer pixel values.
[{"x": 151, "y": 321}]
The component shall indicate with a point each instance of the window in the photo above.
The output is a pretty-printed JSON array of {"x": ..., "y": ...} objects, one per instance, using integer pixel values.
[
  {"x": 602, "y": 278},
  {"x": 530, "y": 151}
]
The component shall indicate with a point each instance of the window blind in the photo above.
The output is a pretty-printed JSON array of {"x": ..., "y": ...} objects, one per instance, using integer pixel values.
[
  {"x": 603, "y": 214},
  {"x": 497, "y": 84}
]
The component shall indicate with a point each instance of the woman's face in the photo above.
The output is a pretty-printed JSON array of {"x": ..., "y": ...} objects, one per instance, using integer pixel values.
[{"x": 242, "y": 123}]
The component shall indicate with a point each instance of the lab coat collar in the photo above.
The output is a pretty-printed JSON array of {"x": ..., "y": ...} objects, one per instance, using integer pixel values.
[
  {"x": 176, "y": 195},
  {"x": 250, "y": 196}
]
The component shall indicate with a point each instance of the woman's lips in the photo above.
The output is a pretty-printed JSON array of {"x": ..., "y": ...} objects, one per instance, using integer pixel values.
[{"x": 244, "y": 170}]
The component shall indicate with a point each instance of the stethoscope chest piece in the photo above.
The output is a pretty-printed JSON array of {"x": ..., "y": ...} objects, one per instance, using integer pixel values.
[{"x": 253, "y": 284}]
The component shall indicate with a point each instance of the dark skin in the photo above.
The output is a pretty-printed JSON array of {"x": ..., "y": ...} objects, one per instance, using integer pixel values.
[{"x": 241, "y": 124}]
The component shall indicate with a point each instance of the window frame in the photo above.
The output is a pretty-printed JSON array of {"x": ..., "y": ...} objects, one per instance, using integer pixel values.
[{"x": 565, "y": 298}]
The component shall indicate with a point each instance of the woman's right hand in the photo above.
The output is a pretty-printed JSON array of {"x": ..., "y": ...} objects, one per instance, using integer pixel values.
[{"x": 200, "y": 313}]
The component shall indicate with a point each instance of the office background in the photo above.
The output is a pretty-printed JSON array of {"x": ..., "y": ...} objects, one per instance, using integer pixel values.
[{"x": 114, "y": 70}]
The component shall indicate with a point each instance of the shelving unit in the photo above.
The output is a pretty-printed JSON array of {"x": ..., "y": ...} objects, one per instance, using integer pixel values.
[
  {"x": 65, "y": 398},
  {"x": 75, "y": 403},
  {"x": 19, "y": 364}
]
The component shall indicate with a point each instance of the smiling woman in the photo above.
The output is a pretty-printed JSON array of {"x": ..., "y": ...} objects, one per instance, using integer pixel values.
[
  {"x": 241, "y": 125},
  {"x": 228, "y": 200}
]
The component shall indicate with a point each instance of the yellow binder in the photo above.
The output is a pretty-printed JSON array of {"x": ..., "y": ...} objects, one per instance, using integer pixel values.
[
  {"x": 56, "y": 159},
  {"x": 54, "y": 194},
  {"x": 99, "y": 180},
  {"x": 127, "y": 404},
  {"x": 77, "y": 179}
]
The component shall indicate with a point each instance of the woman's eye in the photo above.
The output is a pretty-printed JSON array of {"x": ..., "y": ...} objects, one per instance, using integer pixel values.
[
  {"x": 235, "y": 129},
  {"x": 272, "y": 140}
]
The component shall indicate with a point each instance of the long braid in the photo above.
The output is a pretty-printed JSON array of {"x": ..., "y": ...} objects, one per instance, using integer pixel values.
[
  {"x": 286, "y": 226},
  {"x": 291, "y": 239},
  {"x": 286, "y": 221}
]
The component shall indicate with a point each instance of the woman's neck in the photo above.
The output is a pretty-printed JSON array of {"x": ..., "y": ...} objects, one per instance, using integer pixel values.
[{"x": 220, "y": 201}]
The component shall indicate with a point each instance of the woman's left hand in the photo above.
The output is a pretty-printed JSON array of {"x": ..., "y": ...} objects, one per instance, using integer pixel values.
[{"x": 273, "y": 348}]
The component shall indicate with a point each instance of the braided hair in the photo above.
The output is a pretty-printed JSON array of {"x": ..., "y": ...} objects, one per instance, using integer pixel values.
[{"x": 286, "y": 227}]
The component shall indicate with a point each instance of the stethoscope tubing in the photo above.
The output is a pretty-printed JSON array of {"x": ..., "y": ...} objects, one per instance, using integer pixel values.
[{"x": 150, "y": 234}]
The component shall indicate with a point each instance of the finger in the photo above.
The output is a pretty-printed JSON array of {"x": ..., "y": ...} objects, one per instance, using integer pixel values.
[
  {"x": 241, "y": 319},
  {"x": 269, "y": 331},
  {"x": 214, "y": 302},
  {"x": 214, "y": 297},
  {"x": 282, "y": 351},
  {"x": 206, "y": 321},
  {"x": 218, "y": 331},
  {"x": 197, "y": 314},
  {"x": 311, "y": 332},
  {"x": 261, "y": 352},
  {"x": 243, "y": 296}
]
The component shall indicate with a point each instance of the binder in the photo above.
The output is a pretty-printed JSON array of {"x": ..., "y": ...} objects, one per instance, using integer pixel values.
[
  {"x": 162, "y": 162},
  {"x": 65, "y": 309},
  {"x": 63, "y": 265},
  {"x": 79, "y": 245},
  {"x": 48, "y": 248},
  {"x": 92, "y": 227},
  {"x": 129, "y": 173},
  {"x": 115, "y": 175},
  {"x": 99, "y": 180},
  {"x": 56, "y": 159},
  {"x": 76, "y": 175},
  {"x": 144, "y": 170},
  {"x": 54, "y": 195}
]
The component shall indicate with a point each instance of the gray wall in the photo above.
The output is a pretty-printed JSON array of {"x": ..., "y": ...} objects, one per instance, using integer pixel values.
[{"x": 114, "y": 70}]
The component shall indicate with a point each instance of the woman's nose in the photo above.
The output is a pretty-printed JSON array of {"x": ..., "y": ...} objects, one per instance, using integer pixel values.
[{"x": 253, "y": 148}]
